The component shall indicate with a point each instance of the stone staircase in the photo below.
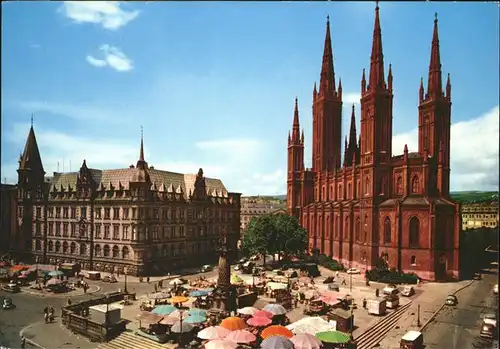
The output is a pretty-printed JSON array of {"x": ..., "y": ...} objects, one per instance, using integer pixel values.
[{"x": 129, "y": 340}]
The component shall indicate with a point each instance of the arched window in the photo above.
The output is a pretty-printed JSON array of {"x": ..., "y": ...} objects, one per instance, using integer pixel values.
[
  {"x": 106, "y": 250},
  {"x": 38, "y": 245},
  {"x": 58, "y": 246},
  {"x": 399, "y": 185},
  {"x": 83, "y": 249},
  {"x": 165, "y": 251},
  {"x": 365, "y": 230},
  {"x": 414, "y": 231},
  {"x": 97, "y": 250},
  {"x": 72, "y": 248},
  {"x": 346, "y": 229},
  {"x": 116, "y": 252},
  {"x": 358, "y": 229},
  {"x": 387, "y": 230},
  {"x": 65, "y": 247},
  {"x": 367, "y": 185},
  {"x": 51, "y": 245},
  {"x": 125, "y": 252},
  {"x": 415, "y": 185}
]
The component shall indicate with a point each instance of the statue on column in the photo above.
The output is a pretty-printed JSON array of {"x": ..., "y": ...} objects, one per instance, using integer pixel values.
[{"x": 225, "y": 290}]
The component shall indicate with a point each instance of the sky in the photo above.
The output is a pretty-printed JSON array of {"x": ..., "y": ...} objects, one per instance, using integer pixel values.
[{"x": 213, "y": 84}]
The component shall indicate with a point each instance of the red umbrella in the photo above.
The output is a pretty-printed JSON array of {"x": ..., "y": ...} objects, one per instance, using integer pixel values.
[
  {"x": 241, "y": 336},
  {"x": 263, "y": 313},
  {"x": 259, "y": 321}
]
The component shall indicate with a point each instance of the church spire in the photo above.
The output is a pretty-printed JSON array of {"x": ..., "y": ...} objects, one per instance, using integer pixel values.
[
  {"x": 377, "y": 78},
  {"x": 352, "y": 147},
  {"x": 30, "y": 158},
  {"x": 435, "y": 85},
  {"x": 296, "y": 124},
  {"x": 141, "y": 163},
  {"x": 327, "y": 81}
]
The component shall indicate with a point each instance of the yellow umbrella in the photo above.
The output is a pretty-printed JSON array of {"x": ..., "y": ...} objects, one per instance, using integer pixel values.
[
  {"x": 179, "y": 299},
  {"x": 235, "y": 279}
]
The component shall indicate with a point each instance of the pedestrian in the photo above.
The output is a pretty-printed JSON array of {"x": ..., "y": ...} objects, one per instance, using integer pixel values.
[
  {"x": 69, "y": 301},
  {"x": 337, "y": 274},
  {"x": 160, "y": 283},
  {"x": 156, "y": 288},
  {"x": 364, "y": 303},
  {"x": 147, "y": 279},
  {"x": 343, "y": 282}
]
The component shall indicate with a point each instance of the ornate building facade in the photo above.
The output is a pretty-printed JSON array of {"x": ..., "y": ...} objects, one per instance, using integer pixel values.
[
  {"x": 137, "y": 220},
  {"x": 8, "y": 205},
  {"x": 371, "y": 204}
]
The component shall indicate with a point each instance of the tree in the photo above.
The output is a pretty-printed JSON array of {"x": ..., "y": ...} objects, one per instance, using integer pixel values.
[{"x": 271, "y": 234}]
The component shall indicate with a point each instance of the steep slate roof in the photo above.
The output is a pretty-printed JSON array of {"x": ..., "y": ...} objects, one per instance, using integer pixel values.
[
  {"x": 30, "y": 159},
  {"x": 123, "y": 176}
]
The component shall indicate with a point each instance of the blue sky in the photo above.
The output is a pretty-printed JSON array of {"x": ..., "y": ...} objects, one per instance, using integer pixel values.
[{"x": 213, "y": 84}]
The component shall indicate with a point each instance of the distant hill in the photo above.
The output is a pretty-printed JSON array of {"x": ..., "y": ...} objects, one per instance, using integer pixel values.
[{"x": 461, "y": 196}]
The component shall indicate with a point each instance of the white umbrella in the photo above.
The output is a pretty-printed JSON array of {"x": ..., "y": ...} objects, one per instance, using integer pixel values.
[
  {"x": 313, "y": 325},
  {"x": 179, "y": 327},
  {"x": 176, "y": 282},
  {"x": 221, "y": 344},
  {"x": 275, "y": 309},
  {"x": 306, "y": 341},
  {"x": 247, "y": 310},
  {"x": 213, "y": 332},
  {"x": 310, "y": 294}
]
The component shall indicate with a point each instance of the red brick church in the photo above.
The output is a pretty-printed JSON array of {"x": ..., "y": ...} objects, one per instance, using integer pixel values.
[{"x": 370, "y": 204}]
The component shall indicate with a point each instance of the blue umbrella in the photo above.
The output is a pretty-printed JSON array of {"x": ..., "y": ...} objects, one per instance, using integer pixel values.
[
  {"x": 209, "y": 289},
  {"x": 198, "y": 294},
  {"x": 164, "y": 309},
  {"x": 199, "y": 312},
  {"x": 56, "y": 273},
  {"x": 195, "y": 319}
]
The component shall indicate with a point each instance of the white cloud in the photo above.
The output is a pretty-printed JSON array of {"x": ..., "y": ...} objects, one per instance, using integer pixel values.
[
  {"x": 112, "y": 57},
  {"x": 350, "y": 98},
  {"x": 474, "y": 156},
  {"x": 108, "y": 14}
]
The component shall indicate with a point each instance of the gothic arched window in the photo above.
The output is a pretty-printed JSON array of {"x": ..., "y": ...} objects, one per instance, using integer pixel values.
[
  {"x": 83, "y": 249},
  {"x": 367, "y": 185},
  {"x": 415, "y": 185},
  {"x": 346, "y": 227},
  {"x": 365, "y": 230},
  {"x": 72, "y": 248},
  {"x": 414, "y": 231},
  {"x": 358, "y": 229},
  {"x": 387, "y": 230},
  {"x": 399, "y": 185},
  {"x": 337, "y": 227}
]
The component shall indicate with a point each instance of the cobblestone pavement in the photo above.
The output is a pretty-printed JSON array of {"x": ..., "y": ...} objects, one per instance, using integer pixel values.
[{"x": 54, "y": 336}]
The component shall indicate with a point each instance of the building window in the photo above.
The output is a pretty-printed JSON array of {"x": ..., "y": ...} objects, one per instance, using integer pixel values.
[
  {"x": 414, "y": 231},
  {"x": 106, "y": 251},
  {"x": 73, "y": 229},
  {"x": 65, "y": 229},
  {"x": 413, "y": 261},
  {"x": 181, "y": 231},
  {"x": 98, "y": 213},
  {"x": 106, "y": 231},
  {"x": 156, "y": 213},
  {"x": 38, "y": 212},
  {"x": 72, "y": 248},
  {"x": 116, "y": 213},
  {"x": 58, "y": 229},
  {"x": 415, "y": 185},
  {"x": 125, "y": 252},
  {"x": 107, "y": 213},
  {"x": 367, "y": 186},
  {"x": 399, "y": 185},
  {"x": 97, "y": 250},
  {"x": 358, "y": 228},
  {"x": 51, "y": 229},
  {"x": 65, "y": 212},
  {"x": 58, "y": 212},
  {"x": 134, "y": 213},
  {"x": 125, "y": 232},
  {"x": 116, "y": 232},
  {"x": 50, "y": 212},
  {"x": 125, "y": 213},
  {"x": 51, "y": 246},
  {"x": 58, "y": 247},
  {"x": 387, "y": 230},
  {"x": 73, "y": 212},
  {"x": 116, "y": 252},
  {"x": 97, "y": 231},
  {"x": 155, "y": 232},
  {"x": 83, "y": 212},
  {"x": 83, "y": 249},
  {"x": 65, "y": 247}
]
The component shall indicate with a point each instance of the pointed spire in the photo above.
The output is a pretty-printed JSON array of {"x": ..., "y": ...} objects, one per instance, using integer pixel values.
[
  {"x": 302, "y": 137},
  {"x": 340, "y": 88},
  {"x": 448, "y": 87},
  {"x": 315, "y": 91},
  {"x": 30, "y": 158},
  {"x": 31, "y": 119},
  {"x": 377, "y": 77},
  {"x": 352, "y": 132},
  {"x": 435, "y": 84},
  {"x": 296, "y": 124},
  {"x": 345, "y": 151},
  {"x": 141, "y": 163},
  {"x": 363, "y": 82},
  {"x": 327, "y": 81},
  {"x": 421, "y": 90},
  {"x": 389, "y": 78}
]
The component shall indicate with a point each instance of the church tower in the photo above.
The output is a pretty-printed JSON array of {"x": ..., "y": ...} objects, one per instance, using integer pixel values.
[
  {"x": 434, "y": 117},
  {"x": 327, "y": 114},
  {"x": 295, "y": 165},
  {"x": 31, "y": 189}
]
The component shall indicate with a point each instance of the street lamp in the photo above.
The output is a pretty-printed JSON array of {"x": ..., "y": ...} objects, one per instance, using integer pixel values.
[
  {"x": 125, "y": 271},
  {"x": 181, "y": 318},
  {"x": 418, "y": 315}
]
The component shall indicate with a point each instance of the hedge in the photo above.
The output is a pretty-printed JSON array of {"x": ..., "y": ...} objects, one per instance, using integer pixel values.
[
  {"x": 330, "y": 263},
  {"x": 391, "y": 276}
]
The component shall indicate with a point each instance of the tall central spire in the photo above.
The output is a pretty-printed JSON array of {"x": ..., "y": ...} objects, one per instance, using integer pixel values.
[
  {"x": 377, "y": 79},
  {"x": 296, "y": 124},
  {"x": 141, "y": 163},
  {"x": 327, "y": 82},
  {"x": 435, "y": 84}
]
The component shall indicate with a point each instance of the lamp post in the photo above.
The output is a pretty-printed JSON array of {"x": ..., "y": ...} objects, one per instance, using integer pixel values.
[
  {"x": 107, "y": 309},
  {"x": 181, "y": 318},
  {"x": 125, "y": 271},
  {"x": 418, "y": 315}
]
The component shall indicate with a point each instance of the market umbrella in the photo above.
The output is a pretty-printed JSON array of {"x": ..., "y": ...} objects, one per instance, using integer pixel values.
[
  {"x": 176, "y": 282},
  {"x": 196, "y": 311},
  {"x": 275, "y": 309},
  {"x": 178, "y": 314},
  {"x": 23, "y": 276},
  {"x": 310, "y": 294},
  {"x": 179, "y": 299},
  {"x": 306, "y": 341},
  {"x": 276, "y": 330},
  {"x": 247, "y": 311},
  {"x": 208, "y": 289},
  {"x": 329, "y": 300},
  {"x": 221, "y": 344},
  {"x": 159, "y": 295},
  {"x": 195, "y": 319},
  {"x": 233, "y": 323},
  {"x": 310, "y": 324},
  {"x": 165, "y": 309},
  {"x": 213, "y": 332},
  {"x": 181, "y": 327},
  {"x": 169, "y": 320},
  {"x": 259, "y": 321},
  {"x": 198, "y": 293},
  {"x": 54, "y": 282},
  {"x": 333, "y": 337},
  {"x": 241, "y": 336},
  {"x": 235, "y": 279},
  {"x": 276, "y": 342},
  {"x": 56, "y": 273},
  {"x": 263, "y": 313}
]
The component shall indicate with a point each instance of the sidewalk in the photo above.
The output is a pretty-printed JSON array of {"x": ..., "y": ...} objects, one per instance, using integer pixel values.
[
  {"x": 152, "y": 279},
  {"x": 78, "y": 292},
  {"x": 53, "y": 335}
]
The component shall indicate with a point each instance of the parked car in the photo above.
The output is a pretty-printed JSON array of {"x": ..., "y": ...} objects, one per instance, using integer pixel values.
[
  {"x": 495, "y": 289},
  {"x": 408, "y": 291},
  {"x": 7, "y": 304},
  {"x": 353, "y": 271},
  {"x": 12, "y": 288},
  {"x": 206, "y": 268},
  {"x": 391, "y": 289},
  {"x": 451, "y": 300},
  {"x": 110, "y": 279}
]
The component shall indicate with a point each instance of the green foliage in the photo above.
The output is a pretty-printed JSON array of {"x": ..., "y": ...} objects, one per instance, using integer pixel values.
[
  {"x": 270, "y": 234},
  {"x": 391, "y": 276},
  {"x": 474, "y": 196},
  {"x": 330, "y": 263},
  {"x": 473, "y": 243}
]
